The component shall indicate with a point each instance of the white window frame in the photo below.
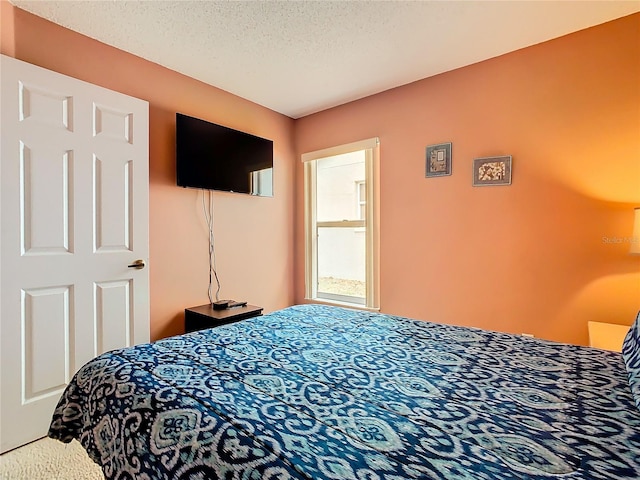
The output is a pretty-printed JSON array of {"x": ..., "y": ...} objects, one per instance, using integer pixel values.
[{"x": 371, "y": 222}]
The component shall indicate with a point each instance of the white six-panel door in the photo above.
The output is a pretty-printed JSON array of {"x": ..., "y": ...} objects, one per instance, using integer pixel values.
[{"x": 74, "y": 215}]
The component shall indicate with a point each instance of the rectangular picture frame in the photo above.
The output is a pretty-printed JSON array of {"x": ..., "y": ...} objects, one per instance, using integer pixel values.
[
  {"x": 438, "y": 160},
  {"x": 488, "y": 171}
]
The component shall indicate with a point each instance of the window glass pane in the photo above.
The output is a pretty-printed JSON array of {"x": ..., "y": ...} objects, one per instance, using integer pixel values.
[
  {"x": 336, "y": 199},
  {"x": 341, "y": 262}
]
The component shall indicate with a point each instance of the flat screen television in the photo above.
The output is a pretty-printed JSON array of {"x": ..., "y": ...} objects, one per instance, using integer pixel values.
[{"x": 215, "y": 157}]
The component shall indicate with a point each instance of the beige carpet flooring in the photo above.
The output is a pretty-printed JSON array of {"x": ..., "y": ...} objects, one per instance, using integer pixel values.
[{"x": 48, "y": 459}]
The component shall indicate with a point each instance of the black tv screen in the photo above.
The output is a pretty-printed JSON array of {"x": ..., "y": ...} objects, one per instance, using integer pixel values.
[{"x": 215, "y": 157}]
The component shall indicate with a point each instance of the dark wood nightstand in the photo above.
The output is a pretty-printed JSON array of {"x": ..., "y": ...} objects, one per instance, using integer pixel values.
[{"x": 204, "y": 316}]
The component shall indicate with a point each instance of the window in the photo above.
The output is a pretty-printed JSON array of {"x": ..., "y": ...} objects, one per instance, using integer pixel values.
[
  {"x": 341, "y": 224},
  {"x": 262, "y": 182},
  {"x": 361, "y": 197}
]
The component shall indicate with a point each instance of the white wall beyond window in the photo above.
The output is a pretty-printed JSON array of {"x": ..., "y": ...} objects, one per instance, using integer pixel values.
[{"x": 341, "y": 250}]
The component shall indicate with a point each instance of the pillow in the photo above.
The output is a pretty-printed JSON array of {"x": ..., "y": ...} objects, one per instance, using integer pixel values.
[{"x": 631, "y": 355}]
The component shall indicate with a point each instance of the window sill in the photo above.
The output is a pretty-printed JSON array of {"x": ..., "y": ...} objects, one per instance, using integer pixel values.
[{"x": 335, "y": 303}]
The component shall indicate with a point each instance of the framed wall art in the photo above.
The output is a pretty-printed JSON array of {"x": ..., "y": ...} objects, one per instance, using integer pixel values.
[
  {"x": 438, "y": 160},
  {"x": 492, "y": 171}
]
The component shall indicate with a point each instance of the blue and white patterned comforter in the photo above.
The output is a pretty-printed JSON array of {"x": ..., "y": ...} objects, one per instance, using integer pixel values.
[{"x": 316, "y": 392}]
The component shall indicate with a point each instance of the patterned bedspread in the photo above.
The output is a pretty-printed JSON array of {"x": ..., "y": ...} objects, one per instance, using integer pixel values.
[{"x": 316, "y": 392}]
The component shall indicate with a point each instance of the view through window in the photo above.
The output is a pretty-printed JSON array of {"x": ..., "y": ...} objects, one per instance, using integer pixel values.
[{"x": 341, "y": 227}]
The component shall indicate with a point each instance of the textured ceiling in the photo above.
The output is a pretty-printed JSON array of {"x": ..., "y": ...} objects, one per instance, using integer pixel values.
[{"x": 300, "y": 57}]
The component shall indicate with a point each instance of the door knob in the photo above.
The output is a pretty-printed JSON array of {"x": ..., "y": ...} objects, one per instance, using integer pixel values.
[{"x": 138, "y": 264}]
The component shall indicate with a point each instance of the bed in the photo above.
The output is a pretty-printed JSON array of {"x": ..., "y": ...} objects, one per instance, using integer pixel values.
[{"x": 319, "y": 392}]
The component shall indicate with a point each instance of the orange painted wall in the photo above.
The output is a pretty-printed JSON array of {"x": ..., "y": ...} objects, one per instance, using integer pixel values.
[
  {"x": 544, "y": 255},
  {"x": 253, "y": 235}
]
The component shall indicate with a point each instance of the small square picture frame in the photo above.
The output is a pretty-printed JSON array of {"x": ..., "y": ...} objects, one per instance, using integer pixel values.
[
  {"x": 488, "y": 171},
  {"x": 438, "y": 160}
]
